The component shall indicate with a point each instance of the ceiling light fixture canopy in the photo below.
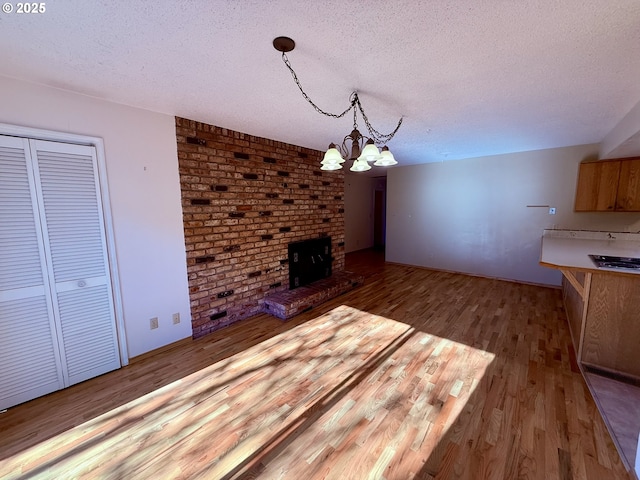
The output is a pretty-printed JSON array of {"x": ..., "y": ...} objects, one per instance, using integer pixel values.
[{"x": 354, "y": 147}]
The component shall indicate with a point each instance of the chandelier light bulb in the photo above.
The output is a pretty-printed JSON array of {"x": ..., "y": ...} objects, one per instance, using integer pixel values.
[
  {"x": 332, "y": 156},
  {"x": 331, "y": 166},
  {"x": 370, "y": 152},
  {"x": 360, "y": 166},
  {"x": 386, "y": 158}
]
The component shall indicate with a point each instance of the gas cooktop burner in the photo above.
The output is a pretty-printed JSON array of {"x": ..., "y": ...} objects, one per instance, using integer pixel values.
[{"x": 623, "y": 263}]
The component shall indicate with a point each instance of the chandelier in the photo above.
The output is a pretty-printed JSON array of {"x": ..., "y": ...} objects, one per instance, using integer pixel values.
[{"x": 355, "y": 147}]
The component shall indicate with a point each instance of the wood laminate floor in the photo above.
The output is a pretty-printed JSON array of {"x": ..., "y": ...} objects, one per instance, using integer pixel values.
[{"x": 416, "y": 374}]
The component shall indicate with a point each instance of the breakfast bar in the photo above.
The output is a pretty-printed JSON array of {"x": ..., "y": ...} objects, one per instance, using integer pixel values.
[
  {"x": 601, "y": 293},
  {"x": 602, "y": 302}
]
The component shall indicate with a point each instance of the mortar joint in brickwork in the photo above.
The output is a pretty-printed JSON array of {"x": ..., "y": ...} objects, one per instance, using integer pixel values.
[{"x": 223, "y": 251}]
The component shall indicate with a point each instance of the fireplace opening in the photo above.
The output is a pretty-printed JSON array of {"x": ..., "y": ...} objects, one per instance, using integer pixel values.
[{"x": 309, "y": 260}]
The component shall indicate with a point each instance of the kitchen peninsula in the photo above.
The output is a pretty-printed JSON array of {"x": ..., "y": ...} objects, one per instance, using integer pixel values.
[{"x": 603, "y": 310}]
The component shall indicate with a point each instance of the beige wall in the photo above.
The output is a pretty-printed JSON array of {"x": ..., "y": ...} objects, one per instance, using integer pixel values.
[
  {"x": 142, "y": 174},
  {"x": 472, "y": 215}
]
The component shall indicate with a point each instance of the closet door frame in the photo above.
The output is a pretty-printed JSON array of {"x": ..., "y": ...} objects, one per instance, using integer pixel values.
[{"x": 98, "y": 144}]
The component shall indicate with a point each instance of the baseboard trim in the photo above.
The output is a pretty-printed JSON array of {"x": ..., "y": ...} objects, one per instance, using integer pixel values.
[
  {"x": 511, "y": 280},
  {"x": 165, "y": 348},
  {"x": 612, "y": 374}
]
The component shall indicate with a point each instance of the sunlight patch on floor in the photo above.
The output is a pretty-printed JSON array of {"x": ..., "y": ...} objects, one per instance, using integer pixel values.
[{"x": 346, "y": 381}]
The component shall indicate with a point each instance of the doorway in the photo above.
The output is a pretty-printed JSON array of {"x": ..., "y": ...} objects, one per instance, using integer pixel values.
[{"x": 379, "y": 214}]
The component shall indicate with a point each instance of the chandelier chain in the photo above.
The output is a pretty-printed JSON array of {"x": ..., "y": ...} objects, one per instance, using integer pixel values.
[
  {"x": 306, "y": 97},
  {"x": 377, "y": 137},
  {"x": 375, "y": 134}
]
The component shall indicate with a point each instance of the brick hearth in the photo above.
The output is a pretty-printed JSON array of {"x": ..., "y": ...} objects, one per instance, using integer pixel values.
[{"x": 288, "y": 303}]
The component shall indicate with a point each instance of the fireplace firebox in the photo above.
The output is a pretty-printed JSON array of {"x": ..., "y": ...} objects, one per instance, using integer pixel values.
[{"x": 309, "y": 260}]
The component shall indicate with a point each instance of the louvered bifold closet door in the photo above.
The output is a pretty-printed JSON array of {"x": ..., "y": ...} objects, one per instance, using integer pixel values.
[
  {"x": 73, "y": 225},
  {"x": 29, "y": 360}
]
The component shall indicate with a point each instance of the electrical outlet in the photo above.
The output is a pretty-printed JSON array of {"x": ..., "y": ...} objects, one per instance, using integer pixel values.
[
  {"x": 176, "y": 318},
  {"x": 153, "y": 323}
]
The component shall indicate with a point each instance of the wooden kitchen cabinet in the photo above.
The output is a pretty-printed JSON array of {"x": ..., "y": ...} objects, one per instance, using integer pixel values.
[
  {"x": 612, "y": 325},
  {"x": 603, "y": 311},
  {"x": 628, "y": 198},
  {"x": 597, "y": 186},
  {"x": 608, "y": 186}
]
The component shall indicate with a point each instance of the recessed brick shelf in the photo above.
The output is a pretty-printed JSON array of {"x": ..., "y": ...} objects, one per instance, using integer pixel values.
[{"x": 289, "y": 303}]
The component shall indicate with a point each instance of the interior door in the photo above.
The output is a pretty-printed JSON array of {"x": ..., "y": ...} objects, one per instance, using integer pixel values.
[
  {"x": 29, "y": 355},
  {"x": 57, "y": 317},
  {"x": 73, "y": 225}
]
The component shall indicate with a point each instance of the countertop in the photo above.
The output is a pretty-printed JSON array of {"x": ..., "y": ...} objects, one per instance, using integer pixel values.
[{"x": 571, "y": 248}]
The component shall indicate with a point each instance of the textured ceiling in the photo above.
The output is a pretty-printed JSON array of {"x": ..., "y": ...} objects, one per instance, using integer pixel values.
[{"x": 470, "y": 78}]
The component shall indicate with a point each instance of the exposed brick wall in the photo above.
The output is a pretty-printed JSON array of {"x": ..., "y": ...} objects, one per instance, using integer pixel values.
[{"x": 244, "y": 199}]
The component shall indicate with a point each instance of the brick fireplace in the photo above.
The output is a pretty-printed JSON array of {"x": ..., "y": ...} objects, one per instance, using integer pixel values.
[
  {"x": 309, "y": 261},
  {"x": 244, "y": 199}
]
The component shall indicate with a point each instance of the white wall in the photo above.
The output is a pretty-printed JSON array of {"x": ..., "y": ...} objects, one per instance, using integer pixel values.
[
  {"x": 358, "y": 211},
  {"x": 471, "y": 215},
  {"x": 144, "y": 187}
]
